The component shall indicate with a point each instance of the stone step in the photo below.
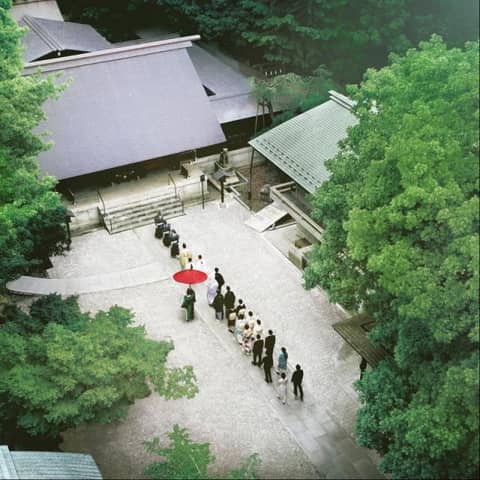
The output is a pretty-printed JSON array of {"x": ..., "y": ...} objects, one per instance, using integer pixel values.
[
  {"x": 147, "y": 216},
  {"x": 135, "y": 214},
  {"x": 145, "y": 210},
  {"x": 141, "y": 201},
  {"x": 117, "y": 228},
  {"x": 139, "y": 206}
]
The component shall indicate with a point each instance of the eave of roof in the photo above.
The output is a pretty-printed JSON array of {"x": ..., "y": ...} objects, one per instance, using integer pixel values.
[{"x": 46, "y": 36}]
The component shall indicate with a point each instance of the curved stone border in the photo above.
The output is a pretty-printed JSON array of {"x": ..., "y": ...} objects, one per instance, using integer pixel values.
[{"x": 96, "y": 283}]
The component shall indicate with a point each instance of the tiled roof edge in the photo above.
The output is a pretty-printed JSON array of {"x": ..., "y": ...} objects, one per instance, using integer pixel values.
[{"x": 7, "y": 467}]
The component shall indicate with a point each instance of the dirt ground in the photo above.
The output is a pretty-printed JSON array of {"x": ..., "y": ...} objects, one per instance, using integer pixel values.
[{"x": 263, "y": 174}]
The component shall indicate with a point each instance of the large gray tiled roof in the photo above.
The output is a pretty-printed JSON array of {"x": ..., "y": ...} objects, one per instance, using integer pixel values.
[
  {"x": 45, "y": 37},
  {"x": 300, "y": 146},
  {"x": 47, "y": 465},
  {"x": 125, "y": 105}
]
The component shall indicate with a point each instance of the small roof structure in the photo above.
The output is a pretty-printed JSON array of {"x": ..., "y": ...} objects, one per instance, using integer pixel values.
[
  {"x": 123, "y": 106},
  {"x": 355, "y": 332},
  {"x": 47, "y": 465},
  {"x": 47, "y": 37},
  {"x": 37, "y": 8},
  {"x": 300, "y": 146}
]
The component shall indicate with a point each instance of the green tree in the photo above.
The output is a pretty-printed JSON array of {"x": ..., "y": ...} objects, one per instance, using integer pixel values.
[
  {"x": 31, "y": 214},
  {"x": 345, "y": 35},
  {"x": 60, "y": 367},
  {"x": 401, "y": 211},
  {"x": 292, "y": 93},
  {"x": 185, "y": 459}
]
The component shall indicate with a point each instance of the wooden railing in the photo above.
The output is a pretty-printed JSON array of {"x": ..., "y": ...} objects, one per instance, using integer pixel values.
[{"x": 176, "y": 190}]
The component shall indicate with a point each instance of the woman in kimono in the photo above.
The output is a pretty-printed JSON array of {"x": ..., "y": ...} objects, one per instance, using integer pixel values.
[
  {"x": 239, "y": 327},
  {"x": 247, "y": 339},
  {"x": 212, "y": 287},
  {"x": 258, "y": 328},
  {"x": 231, "y": 319},
  {"x": 282, "y": 388},
  {"x": 189, "y": 304}
]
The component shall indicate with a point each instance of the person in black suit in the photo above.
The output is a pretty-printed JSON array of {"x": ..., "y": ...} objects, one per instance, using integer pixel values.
[
  {"x": 159, "y": 219},
  {"x": 269, "y": 343},
  {"x": 229, "y": 299},
  {"x": 219, "y": 279},
  {"x": 257, "y": 351},
  {"x": 297, "y": 379},
  {"x": 267, "y": 363},
  {"x": 218, "y": 303}
]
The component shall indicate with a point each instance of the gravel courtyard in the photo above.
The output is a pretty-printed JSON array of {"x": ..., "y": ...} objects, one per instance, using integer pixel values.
[{"x": 235, "y": 410}]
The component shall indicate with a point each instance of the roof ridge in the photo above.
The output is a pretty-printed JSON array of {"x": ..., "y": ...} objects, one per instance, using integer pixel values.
[
  {"x": 105, "y": 55},
  {"x": 42, "y": 32},
  {"x": 341, "y": 99}
]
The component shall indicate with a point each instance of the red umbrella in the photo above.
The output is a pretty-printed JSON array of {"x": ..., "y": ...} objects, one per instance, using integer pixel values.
[{"x": 190, "y": 276}]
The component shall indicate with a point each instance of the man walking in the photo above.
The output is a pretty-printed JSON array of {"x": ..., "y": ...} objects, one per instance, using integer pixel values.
[
  {"x": 269, "y": 343},
  {"x": 257, "y": 351},
  {"x": 229, "y": 299},
  {"x": 219, "y": 278},
  {"x": 297, "y": 379},
  {"x": 218, "y": 303},
  {"x": 267, "y": 362}
]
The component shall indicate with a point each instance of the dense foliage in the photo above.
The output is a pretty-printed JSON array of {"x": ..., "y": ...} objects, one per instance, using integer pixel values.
[
  {"x": 292, "y": 93},
  {"x": 187, "y": 460},
  {"x": 401, "y": 212},
  {"x": 32, "y": 217},
  {"x": 60, "y": 367},
  {"x": 345, "y": 35}
]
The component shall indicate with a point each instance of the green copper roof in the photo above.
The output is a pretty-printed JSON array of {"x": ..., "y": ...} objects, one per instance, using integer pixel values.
[
  {"x": 47, "y": 465},
  {"x": 300, "y": 146}
]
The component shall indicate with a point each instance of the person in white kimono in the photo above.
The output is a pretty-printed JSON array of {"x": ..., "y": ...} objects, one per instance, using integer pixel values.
[
  {"x": 201, "y": 265},
  {"x": 282, "y": 388},
  {"x": 212, "y": 287}
]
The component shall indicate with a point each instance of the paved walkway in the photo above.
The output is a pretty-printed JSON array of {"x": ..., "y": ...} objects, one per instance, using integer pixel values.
[
  {"x": 95, "y": 283},
  {"x": 235, "y": 410},
  {"x": 331, "y": 449}
]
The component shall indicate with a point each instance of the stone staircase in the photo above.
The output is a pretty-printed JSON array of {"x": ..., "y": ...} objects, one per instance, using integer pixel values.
[{"x": 136, "y": 213}]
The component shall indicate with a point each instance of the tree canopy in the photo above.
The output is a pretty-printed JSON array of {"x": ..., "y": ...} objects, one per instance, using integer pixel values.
[
  {"x": 31, "y": 215},
  {"x": 292, "y": 93},
  {"x": 188, "y": 460},
  {"x": 60, "y": 367},
  {"x": 401, "y": 211},
  {"x": 346, "y": 36}
]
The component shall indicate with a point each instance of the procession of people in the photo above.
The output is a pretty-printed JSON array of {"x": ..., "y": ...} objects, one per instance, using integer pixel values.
[{"x": 247, "y": 328}]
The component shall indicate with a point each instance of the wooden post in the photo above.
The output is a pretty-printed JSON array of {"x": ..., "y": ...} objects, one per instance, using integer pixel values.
[
  {"x": 250, "y": 188},
  {"x": 222, "y": 183}
]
